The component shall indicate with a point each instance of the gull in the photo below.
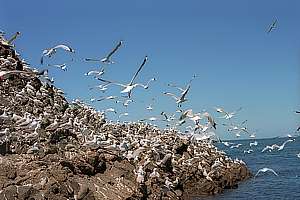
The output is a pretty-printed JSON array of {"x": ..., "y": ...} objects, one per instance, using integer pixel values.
[
  {"x": 270, "y": 148},
  {"x": 106, "y": 59},
  {"x": 123, "y": 114},
  {"x": 167, "y": 118},
  {"x": 53, "y": 126},
  {"x": 248, "y": 151},
  {"x": 252, "y": 135},
  {"x": 102, "y": 87},
  {"x": 111, "y": 110},
  {"x": 253, "y": 143},
  {"x": 150, "y": 119},
  {"x": 265, "y": 169},
  {"x": 13, "y": 37},
  {"x": 140, "y": 175},
  {"x": 34, "y": 149},
  {"x": 282, "y": 146},
  {"x": 60, "y": 66},
  {"x": 227, "y": 115},
  {"x": 95, "y": 73},
  {"x": 4, "y": 132},
  {"x": 210, "y": 120},
  {"x": 272, "y": 26},
  {"x": 179, "y": 99},
  {"x": 131, "y": 85},
  {"x": 235, "y": 146},
  {"x": 279, "y": 148},
  {"x": 126, "y": 102},
  {"x": 149, "y": 107},
  {"x": 189, "y": 114},
  {"x": 107, "y": 98},
  {"x": 227, "y": 143},
  {"x": 298, "y": 155},
  {"x": 168, "y": 183},
  {"x": 51, "y": 51},
  {"x": 154, "y": 173}
]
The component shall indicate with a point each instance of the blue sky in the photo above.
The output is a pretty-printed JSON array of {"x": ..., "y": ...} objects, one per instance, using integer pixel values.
[{"x": 224, "y": 42}]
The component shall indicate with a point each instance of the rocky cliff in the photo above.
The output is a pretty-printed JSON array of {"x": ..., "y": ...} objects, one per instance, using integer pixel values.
[{"x": 54, "y": 149}]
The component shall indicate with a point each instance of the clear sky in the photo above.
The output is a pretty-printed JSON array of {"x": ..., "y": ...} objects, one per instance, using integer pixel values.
[{"x": 224, "y": 42}]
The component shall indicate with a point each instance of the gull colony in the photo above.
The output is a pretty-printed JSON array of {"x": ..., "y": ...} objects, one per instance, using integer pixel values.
[{"x": 38, "y": 123}]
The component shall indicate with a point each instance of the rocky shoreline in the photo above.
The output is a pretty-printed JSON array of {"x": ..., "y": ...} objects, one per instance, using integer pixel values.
[{"x": 54, "y": 149}]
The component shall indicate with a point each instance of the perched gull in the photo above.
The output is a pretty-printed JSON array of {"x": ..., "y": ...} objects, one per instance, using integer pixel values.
[
  {"x": 265, "y": 169},
  {"x": 131, "y": 85},
  {"x": 106, "y": 59},
  {"x": 51, "y": 51},
  {"x": 272, "y": 26}
]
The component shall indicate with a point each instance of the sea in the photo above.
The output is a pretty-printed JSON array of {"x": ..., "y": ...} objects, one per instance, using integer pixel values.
[{"x": 266, "y": 185}]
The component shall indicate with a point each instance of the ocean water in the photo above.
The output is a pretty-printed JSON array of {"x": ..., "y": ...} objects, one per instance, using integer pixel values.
[{"x": 266, "y": 185}]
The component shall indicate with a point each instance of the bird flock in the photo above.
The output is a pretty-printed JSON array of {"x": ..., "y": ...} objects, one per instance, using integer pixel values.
[{"x": 200, "y": 126}]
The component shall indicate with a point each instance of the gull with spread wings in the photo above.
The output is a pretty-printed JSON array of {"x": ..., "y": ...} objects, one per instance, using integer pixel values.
[
  {"x": 107, "y": 59},
  {"x": 131, "y": 85},
  {"x": 179, "y": 99},
  {"x": 272, "y": 26},
  {"x": 265, "y": 169},
  {"x": 227, "y": 115},
  {"x": 51, "y": 51}
]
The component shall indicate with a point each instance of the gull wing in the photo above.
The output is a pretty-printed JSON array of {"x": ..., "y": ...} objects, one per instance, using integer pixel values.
[
  {"x": 287, "y": 142},
  {"x": 13, "y": 37},
  {"x": 111, "y": 82},
  {"x": 92, "y": 59},
  {"x": 172, "y": 95},
  {"x": 114, "y": 50},
  {"x": 183, "y": 94},
  {"x": 64, "y": 47},
  {"x": 137, "y": 72},
  {"x": 175, "y": 86},
  {"x": 265, "y": 170}
]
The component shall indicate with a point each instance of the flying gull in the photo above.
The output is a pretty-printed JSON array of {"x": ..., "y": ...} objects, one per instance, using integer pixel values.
[
  {"x": 272, "y": 26},
  {"x": 106, "y": 59},
  {"x": 13, "y": 37},
  {"x": 131, "y": 85},
  {"x": 227, "y": 115},
  {"x": 51, "y": 51},
  {"x": 179, "y": 99},
  {"x": 265, "y": 169}
]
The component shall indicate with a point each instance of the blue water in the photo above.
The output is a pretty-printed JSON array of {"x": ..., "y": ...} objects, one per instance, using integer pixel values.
[{"x": 266, "y": 185}]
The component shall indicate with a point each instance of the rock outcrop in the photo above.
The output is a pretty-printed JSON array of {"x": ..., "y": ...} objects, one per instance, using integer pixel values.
[{"x": 54, "y": 149}]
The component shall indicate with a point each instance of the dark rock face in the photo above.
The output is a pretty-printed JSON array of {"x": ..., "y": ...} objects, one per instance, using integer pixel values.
[{"x": 54, "y": 149}]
